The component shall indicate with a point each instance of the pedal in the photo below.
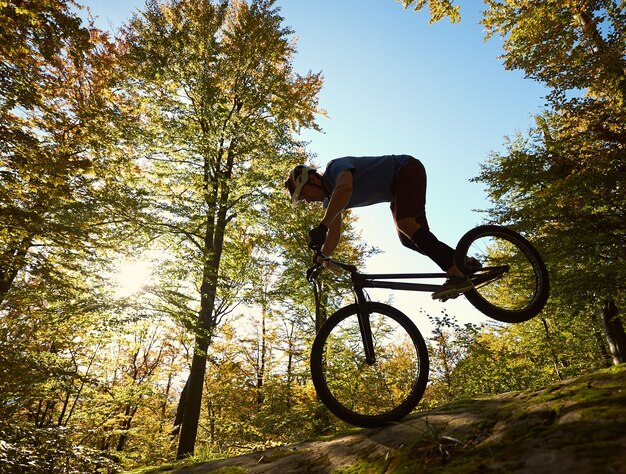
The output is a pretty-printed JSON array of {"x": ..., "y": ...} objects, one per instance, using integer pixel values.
[{"x": 443, "y": 299}]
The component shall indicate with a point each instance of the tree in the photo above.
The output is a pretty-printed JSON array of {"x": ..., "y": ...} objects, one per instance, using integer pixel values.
[
  {"x": 224, "y": 105},
  {"x": 571, "y": 46},
  {"x": 63, "y": 194},
  {"x": 568, "y": 176},
  {"x": 444, "y": 354},
  {"x": 563, "y": 183},
  {"x": 60, "y": 123}
]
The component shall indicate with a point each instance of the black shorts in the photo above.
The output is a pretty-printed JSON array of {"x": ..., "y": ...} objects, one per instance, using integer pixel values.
[{"x": 409, "y": 193}]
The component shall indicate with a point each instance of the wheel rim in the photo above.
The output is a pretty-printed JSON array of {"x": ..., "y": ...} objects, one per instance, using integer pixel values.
[
  {"x": 371, "y": 390},
  {"x": 519, "y": 287}
]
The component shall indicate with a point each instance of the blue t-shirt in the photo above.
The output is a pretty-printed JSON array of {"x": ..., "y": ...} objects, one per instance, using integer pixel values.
[{"x": 372, "y": 177}]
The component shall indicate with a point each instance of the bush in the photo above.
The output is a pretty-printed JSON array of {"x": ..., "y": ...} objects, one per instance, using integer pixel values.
[{"x": 47, "y": 450}]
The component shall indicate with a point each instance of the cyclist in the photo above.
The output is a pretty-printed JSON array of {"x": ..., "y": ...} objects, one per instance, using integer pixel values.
[{"x": 361, "y": 181}]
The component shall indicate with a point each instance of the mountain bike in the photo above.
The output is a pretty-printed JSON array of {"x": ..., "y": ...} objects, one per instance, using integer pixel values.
[{"x": 369, "y": 362}]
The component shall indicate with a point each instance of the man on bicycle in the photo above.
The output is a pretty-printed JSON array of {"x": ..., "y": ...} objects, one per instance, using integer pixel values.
[{"x": 361, "y": 181}]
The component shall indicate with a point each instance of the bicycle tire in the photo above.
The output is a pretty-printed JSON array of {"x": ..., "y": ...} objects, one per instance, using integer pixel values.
[
  {"x": 523, "y": 291},
  {"x": 413, "y": 378}
]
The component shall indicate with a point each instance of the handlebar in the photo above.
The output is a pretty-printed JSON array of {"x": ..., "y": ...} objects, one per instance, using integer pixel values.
[{"x": 321, "y": 261}]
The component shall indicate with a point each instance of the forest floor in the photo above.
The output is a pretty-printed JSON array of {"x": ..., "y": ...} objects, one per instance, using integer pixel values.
[{"x": 576, "y": 426}]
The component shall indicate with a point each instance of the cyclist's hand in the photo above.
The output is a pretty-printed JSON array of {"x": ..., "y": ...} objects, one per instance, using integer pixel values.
[{"x": 317, "y": 236}]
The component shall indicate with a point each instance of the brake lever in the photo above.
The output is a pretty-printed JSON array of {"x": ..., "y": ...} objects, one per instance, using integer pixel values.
[{"x": 313, "y": 272}]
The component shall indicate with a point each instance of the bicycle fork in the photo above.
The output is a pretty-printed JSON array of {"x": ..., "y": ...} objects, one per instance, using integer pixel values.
[{"x": 365, "y": 328}]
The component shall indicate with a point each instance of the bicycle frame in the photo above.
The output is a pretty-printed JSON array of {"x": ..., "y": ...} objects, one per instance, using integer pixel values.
[{"x": 360, "y": 281}]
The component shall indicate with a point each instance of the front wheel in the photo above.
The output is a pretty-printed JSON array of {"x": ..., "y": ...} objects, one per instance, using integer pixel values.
[
  {"x": 362, "y": 394},
  {"x": 511, "y": 280}
]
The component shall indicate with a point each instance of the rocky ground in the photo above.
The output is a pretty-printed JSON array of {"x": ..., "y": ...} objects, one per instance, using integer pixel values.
[{"x": 577, "y": 426}]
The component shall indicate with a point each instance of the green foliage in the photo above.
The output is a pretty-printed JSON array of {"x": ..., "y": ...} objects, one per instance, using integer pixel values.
[
  {"x": 562, "y": 184},
  {"x": 195, "y": 124},
  {"x": 438, "y": 9},
  {"x": 222, "y": 106},
  {"x": 475, "y": 361},
  {"x": 63, "y": 198},
  {"x": 571, "y": 46},
  {"x": 60, "y": 122},
  {"x": 24, "y": 449}
]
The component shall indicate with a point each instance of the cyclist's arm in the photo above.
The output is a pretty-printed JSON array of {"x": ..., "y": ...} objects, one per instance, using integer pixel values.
[
  {"x": 332, "y": 218},
  {"x": 332, "y": 238},
  {"x": 338, "y": 199}
]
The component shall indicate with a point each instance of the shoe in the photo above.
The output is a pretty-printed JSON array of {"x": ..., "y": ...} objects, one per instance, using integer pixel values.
[{"x": 453, "y": 286}]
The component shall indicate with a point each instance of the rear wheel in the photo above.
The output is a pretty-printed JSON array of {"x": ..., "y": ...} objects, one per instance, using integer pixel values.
[
  {"x": 521, "y": 291},
  {"x": 359, "y": 393}
]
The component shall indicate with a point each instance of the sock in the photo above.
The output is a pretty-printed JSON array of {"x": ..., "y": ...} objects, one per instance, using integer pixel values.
[{"x": 437, "y": 251}]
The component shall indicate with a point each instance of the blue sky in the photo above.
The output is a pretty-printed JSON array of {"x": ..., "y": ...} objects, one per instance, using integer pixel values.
[{"x": 395, "y": 84}]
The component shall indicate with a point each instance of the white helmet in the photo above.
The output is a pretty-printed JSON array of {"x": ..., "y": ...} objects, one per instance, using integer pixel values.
[{"x": 299, "y": 177}]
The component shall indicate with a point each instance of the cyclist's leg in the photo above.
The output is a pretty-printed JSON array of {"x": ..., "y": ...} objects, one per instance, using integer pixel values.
[
  {"x": 426, "y": 243},
  {"x": 408, "y": 206},
  {"x": 408, "y": 243}
]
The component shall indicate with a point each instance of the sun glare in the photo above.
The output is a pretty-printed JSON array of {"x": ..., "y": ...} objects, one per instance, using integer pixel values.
[{"x": 132, "y": 276}]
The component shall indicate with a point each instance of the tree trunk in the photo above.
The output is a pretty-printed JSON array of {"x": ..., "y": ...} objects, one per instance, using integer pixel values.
[
  {"x": 164, "y": 404},
  {"x": 180, "y": 410},
  {"x": 614, "y": 331},
  {"x": 321, "y": 314},
  {"x": 213, "y": 246},
  {"x": 129, "y": 414},
  {"x": 598, "y": 336},
  {"x": 260, "y": 375},
  {"x": 193, "y": 401},
  {"x": 195, "y": 383},
  {"x": 290, "y": 353},
  {"x": 11, "y": 261},
  {"x": 555, "y": 360}
]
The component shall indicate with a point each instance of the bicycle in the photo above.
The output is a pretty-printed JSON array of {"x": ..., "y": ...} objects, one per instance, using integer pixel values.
[{"x": 369, "y": 362}]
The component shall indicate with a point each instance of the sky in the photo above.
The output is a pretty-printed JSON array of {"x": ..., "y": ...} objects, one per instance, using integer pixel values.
[{"x": 394, "y": 84}]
